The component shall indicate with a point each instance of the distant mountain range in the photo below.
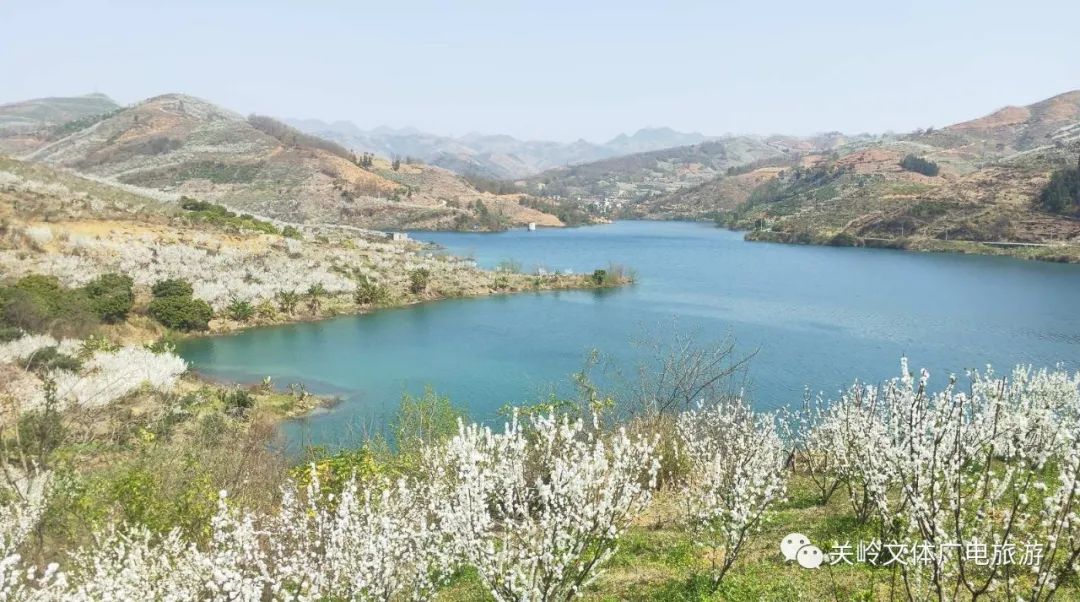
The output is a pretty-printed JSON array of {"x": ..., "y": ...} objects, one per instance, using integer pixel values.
[
  {"x": 491, "y": 156},
  {"x": 987, "y": 176}
]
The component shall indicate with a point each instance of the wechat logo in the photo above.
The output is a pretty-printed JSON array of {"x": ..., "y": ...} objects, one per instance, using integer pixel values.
[{"x": 797, "y": 547}]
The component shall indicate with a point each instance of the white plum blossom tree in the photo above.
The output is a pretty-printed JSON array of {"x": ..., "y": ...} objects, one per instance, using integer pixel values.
[
  {"x": 375, "y": 543},
  {"x": 22, "y": 504},
  {"x": 736, "y": 460},
  {"x": 105, "y": 376},
  {"x": 110, "y": 375},
  {"x": 995, "y": 465},
  {"x": 538, "y": 510}
]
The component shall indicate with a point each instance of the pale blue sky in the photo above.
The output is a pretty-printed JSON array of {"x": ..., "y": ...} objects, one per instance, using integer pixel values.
[{"x": 557, "y": 70}]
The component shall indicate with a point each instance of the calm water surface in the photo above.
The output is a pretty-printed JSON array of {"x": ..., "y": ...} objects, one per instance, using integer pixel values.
[{"x": 817, "y": 316}]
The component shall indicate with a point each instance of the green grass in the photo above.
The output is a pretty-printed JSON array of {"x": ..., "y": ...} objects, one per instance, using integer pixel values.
[{"x": 657, "y": 560}]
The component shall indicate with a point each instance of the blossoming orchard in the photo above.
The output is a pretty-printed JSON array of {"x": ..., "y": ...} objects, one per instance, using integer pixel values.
[{"x": 976, "y": 479}]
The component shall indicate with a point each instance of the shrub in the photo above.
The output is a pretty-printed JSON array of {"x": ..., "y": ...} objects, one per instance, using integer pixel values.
[
  {"x": 237, "y": 401},
  {"x": 108, "y": 376},
  {"x": 183, "y": 313},
  {"x": 47, "y": 288},
  {"x": 369, "y": 292},
  {"x": 24, "y": 506},
  {"x": 418, "y": 280},
  {"x": 240, "y": 310},
  {"x": 314, "y": 295},
  {"x": 47, "y": 359},
  {"x": 614, "y": 275},
  {"x": 425, "y": 420},
  {"x": 174, "y": 306},
  {"x": 174, "y": 287},
  {"x": 1062, "y": 192},
  {"x": 111, "y": 297},
  {"x": 509, "y": 266},
  {"x": 919, "y": 165},
  {"x": 291, "y": 232},
  {"x": 266, "y": 310},
  {"x": 219, "y": 215},
  {"x": 38, "y": 303},
  {"x": 9, "y": 333},
  {"x": 287, "y": 301}
]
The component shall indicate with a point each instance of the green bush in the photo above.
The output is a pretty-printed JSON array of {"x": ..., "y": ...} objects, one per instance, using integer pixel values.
[
  {"x": 1062, "y": 192},
  {"x": 219, "y": 215},
  {"x": 599, "y": 276},
  {"x": 47, "y": 359},
  {"x": 240, "y": 310},
  {"x": 159, "y": 500},
  {"x": 183, "y": 313},
  {"x": 165, "y": 344},
  {"x": 287, "y": 301},
  {"x": 111, "y": 297},
  {"x": 172, "y": 288},
  {"x": 175, "y": 307},
  {"x": 425, "y": 420},
  {"x": 920, "y": 165},
  {"x": 237, "y": 401},
  {"x": 369, "y": 292},
  {"x": 38, "y": 303},
  {"x": 291, "y": 232},
  {"x": 418, "y": 280},
  {"x": 45, "y": 287}
]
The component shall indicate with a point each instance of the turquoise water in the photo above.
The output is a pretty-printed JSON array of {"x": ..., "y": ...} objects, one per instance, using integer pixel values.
[{"x": 818, "y": 317}]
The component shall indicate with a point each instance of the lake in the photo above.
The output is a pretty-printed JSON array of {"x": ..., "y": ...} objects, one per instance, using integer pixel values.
[{"x": 817, "y": 317}]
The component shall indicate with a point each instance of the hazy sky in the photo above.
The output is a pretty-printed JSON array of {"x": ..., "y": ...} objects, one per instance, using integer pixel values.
[{"x": 557, "y": 70}]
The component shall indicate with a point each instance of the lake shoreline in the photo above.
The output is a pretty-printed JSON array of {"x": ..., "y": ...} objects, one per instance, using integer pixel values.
[
  {"x": 1045, "y": 252},
  {"x": 820, "y": 316},
  {"x": 346, "y": 308},
  {"x": 1032, "y": 252},
  {"x": 341, "y": 307}
]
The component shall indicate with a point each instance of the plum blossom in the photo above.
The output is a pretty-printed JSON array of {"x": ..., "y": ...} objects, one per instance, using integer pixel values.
[
  {"x": 538, "y": 511},
  {"x": 736, "y": 462}
]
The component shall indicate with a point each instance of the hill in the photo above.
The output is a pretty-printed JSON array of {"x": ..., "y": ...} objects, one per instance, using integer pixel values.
[
  {"x": 980, "y": 185},
  {"x": 490, "y": 156},
  {"x": 58, "y": 224},
  {"x": 27, "y": 125},
  {"x": 1009, "y": 130},
  {"x": 679, "y": 182},
  {"x": 621, "y": 183},
  {"x": 712, "y": 197},
  {"x": 176, "y": 145}
]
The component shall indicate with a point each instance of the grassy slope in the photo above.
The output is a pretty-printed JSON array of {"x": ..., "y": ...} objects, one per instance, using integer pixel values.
[
  {"x": 182, "y": 145},
  {"x": 991, "y": 172}
]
